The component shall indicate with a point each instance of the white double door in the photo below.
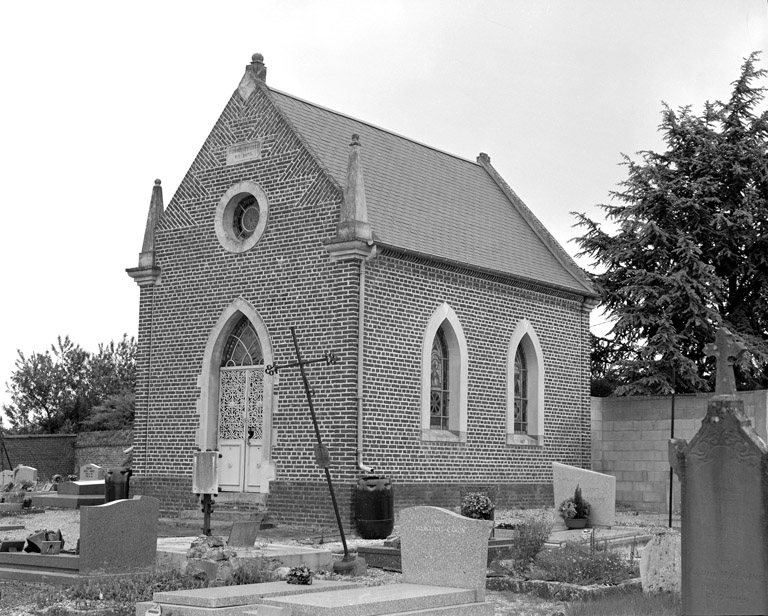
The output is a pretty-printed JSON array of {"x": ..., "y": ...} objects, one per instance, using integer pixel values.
[{"x": 241, "y": 428}]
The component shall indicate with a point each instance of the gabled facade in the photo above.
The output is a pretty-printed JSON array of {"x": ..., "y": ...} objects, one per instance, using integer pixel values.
[{"x": 461, "y": 326}]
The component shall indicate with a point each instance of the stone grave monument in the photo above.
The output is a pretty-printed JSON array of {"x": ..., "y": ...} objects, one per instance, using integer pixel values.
[
  {"x": 92, "y": 472},
  {"x": 6, "y": 477},
  {"x": 723, "y": 472},
  {"x": 24, "y": 474},
  {"x": 598, "y": 489}
]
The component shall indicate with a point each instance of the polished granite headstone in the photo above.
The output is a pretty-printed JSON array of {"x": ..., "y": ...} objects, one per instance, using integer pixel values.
[
  {"x": 723, "y": 472},
  {"x": 119, "y": 536},
  {"x": 442, "y": 548}
]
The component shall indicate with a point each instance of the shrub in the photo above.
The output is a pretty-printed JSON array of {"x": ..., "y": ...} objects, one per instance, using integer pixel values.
[
  {"x": 253, "y": 571},
  {"x": 575, "y": 507},
  {"x": 534, "y": 528},
  {"x": 578, "y": 564},
  {"x": 477, "y": 506},
  {"x": 628, "y": 604}
]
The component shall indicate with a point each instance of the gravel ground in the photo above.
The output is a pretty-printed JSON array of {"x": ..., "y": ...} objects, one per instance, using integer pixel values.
[
  {"x": 65, "y": 520},
  {"x": 15, "y": 596}
]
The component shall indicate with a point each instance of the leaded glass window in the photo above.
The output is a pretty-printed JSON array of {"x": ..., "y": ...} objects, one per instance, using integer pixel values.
[
  {"x": 246, "y": 217},
  {"x": 521, "y": 392},
  {"x": 438, "y": 402},
  {"x": 243, "y": 347}
]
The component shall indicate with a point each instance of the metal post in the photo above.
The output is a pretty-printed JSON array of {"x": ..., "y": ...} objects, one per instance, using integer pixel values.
[
  {"x": 671, "y": 436},
  {"x": 308, "y": 392}
]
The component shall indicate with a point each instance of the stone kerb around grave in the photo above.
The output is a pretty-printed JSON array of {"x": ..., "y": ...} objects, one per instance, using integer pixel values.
[
  {"x": 598, "y": 489},
  {"x": 442, "y": 548}
]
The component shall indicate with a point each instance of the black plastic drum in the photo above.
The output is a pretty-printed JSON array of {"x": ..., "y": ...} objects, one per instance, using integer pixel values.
[{"x": 374, "y": 507}]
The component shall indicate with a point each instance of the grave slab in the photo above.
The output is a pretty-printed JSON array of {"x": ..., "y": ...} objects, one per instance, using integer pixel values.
[
  {"x": 378, "y": 600},
  {"x": 442, "y": 548},
  {"x": 598, "y": 489},
  {"x": 94, "y": 487},
  {"x": 172, "y": 552}
]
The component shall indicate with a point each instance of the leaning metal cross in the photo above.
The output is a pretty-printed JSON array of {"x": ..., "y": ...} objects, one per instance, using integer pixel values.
[
  {"x": 726, "y": 350},
  {"x": 321, "y": 451}
]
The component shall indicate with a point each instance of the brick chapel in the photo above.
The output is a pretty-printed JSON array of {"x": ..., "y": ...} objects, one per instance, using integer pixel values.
[{"x": 460, "y": 325}]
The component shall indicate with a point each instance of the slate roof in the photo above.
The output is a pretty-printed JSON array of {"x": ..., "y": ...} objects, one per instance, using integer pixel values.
[{"x": 429, "y": 202}]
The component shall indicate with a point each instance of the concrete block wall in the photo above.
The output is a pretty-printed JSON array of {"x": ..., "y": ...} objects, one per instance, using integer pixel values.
[{"x": 630, "y": 439}]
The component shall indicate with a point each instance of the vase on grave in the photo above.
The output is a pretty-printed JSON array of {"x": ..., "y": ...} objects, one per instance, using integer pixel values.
[{"x": 576, "y": 523}]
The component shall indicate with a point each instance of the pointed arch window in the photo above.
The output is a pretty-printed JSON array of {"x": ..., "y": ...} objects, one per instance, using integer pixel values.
[
  {"x": 439, "y": 380},
  {"x": 525, "y": 387},
  {"x": 444, "y": 369},
  {"x": 243, "y": 347},
  {"x": 521, "y": 392}
]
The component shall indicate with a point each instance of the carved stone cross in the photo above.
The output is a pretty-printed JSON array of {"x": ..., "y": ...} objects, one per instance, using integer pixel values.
[{"x": 726, "y": 350}]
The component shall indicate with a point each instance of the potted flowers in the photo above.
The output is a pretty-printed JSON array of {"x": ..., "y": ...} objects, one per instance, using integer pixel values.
[
  {"x": 575, "y": 510},
  {"x": 477, "y": 506}
]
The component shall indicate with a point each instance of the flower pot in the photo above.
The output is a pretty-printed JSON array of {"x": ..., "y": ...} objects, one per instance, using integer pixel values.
[{"x": 576, "y": 523}]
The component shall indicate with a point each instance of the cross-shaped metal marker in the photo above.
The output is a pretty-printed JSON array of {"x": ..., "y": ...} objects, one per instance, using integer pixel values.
[
  {"x": 727, "y": 351},
  {"x": 322, "y": 456}
]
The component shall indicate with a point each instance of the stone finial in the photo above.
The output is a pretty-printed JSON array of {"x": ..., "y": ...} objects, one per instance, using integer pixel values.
[
  {"x": 353, "y": 220},
  {"x": 147, "y": 254},
  {"x": 484, "y": 158},
  {"x": 258, "y": 68},
  {"x": 727, "y": 351}
]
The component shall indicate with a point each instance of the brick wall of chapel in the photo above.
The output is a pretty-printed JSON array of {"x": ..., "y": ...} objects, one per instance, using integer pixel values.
[
  {"x": 401, "y": 296},
  {"x": 289, "y": 279}
]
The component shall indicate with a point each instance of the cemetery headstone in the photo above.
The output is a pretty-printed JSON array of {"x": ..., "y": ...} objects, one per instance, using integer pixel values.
[
  {"x": 243, "y": 534},
  {"x": 24, "y": 474},
  {"x": 598, "y": 489},
  {"x": 660, "y": 564},
  {"x": 723, "y": 472},
  {"x": 119, "y": 536},
  {"x": 6, "y": 477},
  {"x": 92, "y": 472},
  {"x": 442, "y": 548}
]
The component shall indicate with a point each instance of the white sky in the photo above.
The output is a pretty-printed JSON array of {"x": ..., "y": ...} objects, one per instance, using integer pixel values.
[{"x": 100, "y": 98}]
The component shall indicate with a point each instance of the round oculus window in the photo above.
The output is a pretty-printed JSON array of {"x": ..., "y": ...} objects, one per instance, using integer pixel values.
[{"x": 241, "y": 217}]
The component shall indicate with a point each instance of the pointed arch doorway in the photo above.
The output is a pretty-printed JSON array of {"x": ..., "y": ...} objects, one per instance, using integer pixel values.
[
  {"x": 236, "y": 400},
  {"x": 241, "y": 410}
]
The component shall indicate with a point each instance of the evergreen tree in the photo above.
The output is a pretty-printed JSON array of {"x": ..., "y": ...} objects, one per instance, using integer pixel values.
[{"x": 690, "y": 249}]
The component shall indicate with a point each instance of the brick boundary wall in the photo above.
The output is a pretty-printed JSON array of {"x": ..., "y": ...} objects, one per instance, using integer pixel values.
[
  {"x": 50, "y": 454},
  {"x": 104, "y": 448},
  {"x": 630, "y": 440}
]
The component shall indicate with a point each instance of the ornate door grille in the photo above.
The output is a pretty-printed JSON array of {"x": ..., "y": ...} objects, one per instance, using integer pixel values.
[{"x": 241, "y": 403}]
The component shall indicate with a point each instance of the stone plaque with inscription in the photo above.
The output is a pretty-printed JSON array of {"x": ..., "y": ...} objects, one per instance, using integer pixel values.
[
  {"x": 243, "y": 152},
  {"x": 442, "y": 548},
  {"x": 724, "y": 482}
]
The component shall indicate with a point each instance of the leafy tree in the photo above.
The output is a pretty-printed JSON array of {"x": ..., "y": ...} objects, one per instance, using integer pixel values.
[
  {"x": 690, "y": 249},
  {"x": 63, "y": 389}
]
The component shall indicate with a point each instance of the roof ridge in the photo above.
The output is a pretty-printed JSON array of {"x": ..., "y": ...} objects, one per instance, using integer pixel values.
[
  {"x": 374, "y": 126},
  {"x": 537, "y": 227}
]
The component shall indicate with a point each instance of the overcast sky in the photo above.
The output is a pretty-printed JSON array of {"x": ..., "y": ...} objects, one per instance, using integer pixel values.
[{"x": 100, "y": 98}]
